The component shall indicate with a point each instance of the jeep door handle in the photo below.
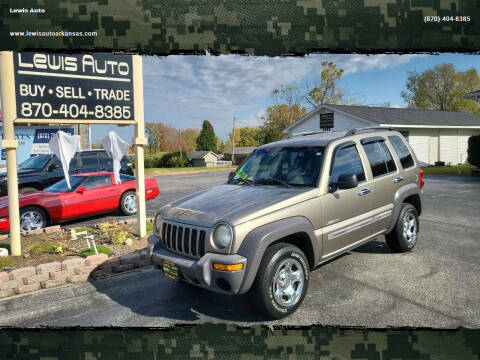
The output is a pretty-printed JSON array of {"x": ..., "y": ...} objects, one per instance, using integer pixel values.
[
  {"x": 397, "y": 179},
  {"x": 363, "y": 192}
]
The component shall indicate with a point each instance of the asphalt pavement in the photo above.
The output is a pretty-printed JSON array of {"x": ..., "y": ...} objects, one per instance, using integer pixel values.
[{"x": 436, "y": 285}]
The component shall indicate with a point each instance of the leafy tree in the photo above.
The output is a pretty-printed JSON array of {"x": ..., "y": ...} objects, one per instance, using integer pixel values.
[
  {"x": 442, "y": 88},
  {"x": 325, "y": 90},
  {"x": 246, "y": 136},
  {"x": 278, "y": 118},
  {"x": 189, "y": 139},
  {"x": 206, "y": 141},
  {"x": 154, "y": 135},
  {"x": 221, "y": 145}
]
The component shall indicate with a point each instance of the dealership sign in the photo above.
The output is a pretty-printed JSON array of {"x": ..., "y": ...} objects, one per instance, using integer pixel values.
[{"x": 80, "y": 88}]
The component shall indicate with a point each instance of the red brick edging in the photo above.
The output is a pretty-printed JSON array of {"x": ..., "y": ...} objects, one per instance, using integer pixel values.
[{"x": 69, "y": 271}]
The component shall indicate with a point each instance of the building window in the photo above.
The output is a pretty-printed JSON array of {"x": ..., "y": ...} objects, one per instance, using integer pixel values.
[{"x": 326, "y": 121}]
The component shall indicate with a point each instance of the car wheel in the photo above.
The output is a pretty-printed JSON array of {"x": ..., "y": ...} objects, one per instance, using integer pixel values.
[
  {"x": 128, "y": 203},
  {"x": 32, "y": 218},
  {"x": 25, "y": 190},
  {"x": 404, "y": 235},
  {"x": 281, "y": 282}
]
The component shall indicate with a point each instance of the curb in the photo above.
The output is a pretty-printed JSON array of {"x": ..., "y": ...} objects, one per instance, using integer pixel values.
[{"x": 70, "y": 271}]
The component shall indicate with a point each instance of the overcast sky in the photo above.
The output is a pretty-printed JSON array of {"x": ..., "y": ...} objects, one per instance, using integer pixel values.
[{"x": 182, "y": 90}]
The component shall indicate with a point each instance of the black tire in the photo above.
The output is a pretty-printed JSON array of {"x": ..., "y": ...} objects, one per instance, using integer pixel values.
[
  {"x": 273, "y": 263},
  {"x": 399, "y": 240},
  {"x": 32, "y": 218},
  {"x": 26, "y": 190},
  {"x": 124, "y": 207}
]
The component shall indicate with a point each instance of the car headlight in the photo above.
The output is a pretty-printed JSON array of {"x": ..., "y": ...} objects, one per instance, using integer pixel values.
[
  {"x": 222, "y": 236},
  {"x": 158, "y": 223}
]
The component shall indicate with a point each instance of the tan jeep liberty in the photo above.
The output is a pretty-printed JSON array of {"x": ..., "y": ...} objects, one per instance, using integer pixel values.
[{"x": 292, "y": 205}]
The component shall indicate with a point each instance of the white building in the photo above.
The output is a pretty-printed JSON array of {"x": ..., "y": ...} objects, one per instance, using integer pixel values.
[{"x": 433, "y": 135}]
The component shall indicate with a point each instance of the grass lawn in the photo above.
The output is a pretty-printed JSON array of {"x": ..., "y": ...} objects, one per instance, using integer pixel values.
[
  {"x": 185, "y": 170},
  {"x": 463, "y": 170}
]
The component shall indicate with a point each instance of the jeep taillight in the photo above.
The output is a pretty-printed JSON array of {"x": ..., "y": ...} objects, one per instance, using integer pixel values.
[{"x": 422, "y": 182}]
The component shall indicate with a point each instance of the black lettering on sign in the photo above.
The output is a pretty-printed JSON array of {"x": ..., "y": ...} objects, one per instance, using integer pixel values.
[{"x": 74, "y": 86}]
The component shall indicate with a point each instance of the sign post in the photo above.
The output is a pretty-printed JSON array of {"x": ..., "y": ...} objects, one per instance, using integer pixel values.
[
  {"x": 42, "y": 88},
  {"x": 10, "y": 145}
]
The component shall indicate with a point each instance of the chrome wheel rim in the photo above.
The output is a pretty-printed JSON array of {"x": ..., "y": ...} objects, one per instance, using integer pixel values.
[
  {"x": 288, "y": 283},
  {"x": 31, "y": 220},
  {"x": 130, "y": 203},
  {"x": 410, "y": 228}
]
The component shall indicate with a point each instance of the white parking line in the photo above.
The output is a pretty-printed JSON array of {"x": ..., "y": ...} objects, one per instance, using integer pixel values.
[{"x": 458, "y": 192}]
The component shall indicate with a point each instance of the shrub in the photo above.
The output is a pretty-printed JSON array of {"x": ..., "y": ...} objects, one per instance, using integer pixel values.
[
  {"x": 7, "y": 246},
  {"x": 60, "y": 245},
  {"x": 47, "y": 247},
  {"x": 87, "y": 229},
  {"x": 5, "y": 261},
  {"x": 117, "y": 233},
  {"x": 175, "y": 159},
  {"x": 100, "y": 248},
  {"x": 149, "y": 226},
  {"x": 473, "y": 150}
]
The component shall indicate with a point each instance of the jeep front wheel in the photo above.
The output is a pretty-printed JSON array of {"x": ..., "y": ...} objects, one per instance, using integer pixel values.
[{"x": 281, "y": 282}]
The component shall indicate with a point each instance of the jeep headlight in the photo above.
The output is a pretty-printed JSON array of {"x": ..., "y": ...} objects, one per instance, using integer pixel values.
[
  {"x": 158, "y": 223},
  {"x": 222, "y": 235}
]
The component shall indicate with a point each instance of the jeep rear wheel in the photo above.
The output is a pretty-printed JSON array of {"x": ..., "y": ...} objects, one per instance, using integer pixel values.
[
  {"x": 404, "y": 235},
  {"x": 281, "y": 282}
]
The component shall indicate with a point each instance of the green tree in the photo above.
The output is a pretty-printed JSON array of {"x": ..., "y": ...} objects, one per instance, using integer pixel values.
[
  {"x": 206, "y": 141},
  {"x": 442, "y": 88},
  {"x": 277, "y": 119},
  {"x": 326, "y": 90},
  {"x": 189, "y": 139},
  {"x": 246, "y": 136},
  {"x": 154, "y": 135}
]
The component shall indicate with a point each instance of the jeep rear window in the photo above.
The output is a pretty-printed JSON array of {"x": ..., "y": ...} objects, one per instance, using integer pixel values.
[
  {"x": 284, "y": 166},
  {"x": 402, "y": 151}
]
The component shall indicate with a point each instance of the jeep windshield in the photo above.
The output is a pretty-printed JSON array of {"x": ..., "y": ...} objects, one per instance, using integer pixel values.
[
  {"x": 35, "y": 162},
  {"x": 281, "y": 166}
]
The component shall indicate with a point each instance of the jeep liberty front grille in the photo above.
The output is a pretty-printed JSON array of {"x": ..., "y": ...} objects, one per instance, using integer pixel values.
[{"x": 184, "y": 240}]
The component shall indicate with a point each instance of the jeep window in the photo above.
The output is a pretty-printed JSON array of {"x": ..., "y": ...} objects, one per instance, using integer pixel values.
[
  {"x": 402, "y": 151},
  {"x": 35, "y": 162},
  {"x": 61, "y": 186},
  {"x": 377, "y": 158},
  {"x": 347, "y": 161},
  {"x": 286, "y": 166},
  {"x": 105, "y": 159},
  {"x": 388, "y": 157}
]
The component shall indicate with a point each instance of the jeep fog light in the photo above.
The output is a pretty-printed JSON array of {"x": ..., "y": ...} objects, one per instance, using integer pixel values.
[{"x": 222, "y": 236}]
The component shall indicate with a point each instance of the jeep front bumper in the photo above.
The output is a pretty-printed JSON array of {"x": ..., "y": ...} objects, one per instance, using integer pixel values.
[{"x": 200, "y": 272}]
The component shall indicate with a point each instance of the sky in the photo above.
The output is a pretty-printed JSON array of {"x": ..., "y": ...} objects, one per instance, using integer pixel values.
[{"x": 182, "y": 91}]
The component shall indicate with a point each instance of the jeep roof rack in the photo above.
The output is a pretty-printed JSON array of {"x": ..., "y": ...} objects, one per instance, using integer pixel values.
[
  {"x": 368, "y": 129},
  {"x": 347, "y": 132}
]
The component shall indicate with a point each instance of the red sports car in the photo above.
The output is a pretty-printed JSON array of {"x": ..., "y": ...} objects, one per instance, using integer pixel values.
[{"x": 90, "y": 194}]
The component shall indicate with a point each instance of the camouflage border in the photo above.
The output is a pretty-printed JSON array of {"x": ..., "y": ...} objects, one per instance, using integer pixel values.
[
  {"x": 230, "y": 342},
  {"x": 256, "y": 27}
]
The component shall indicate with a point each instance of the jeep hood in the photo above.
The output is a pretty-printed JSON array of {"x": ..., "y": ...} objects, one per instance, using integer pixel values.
[{"x": 232, "y": 203}]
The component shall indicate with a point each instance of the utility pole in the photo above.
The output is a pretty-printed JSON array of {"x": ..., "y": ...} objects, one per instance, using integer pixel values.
[
  {"x": 233, "y": 142},
  {"x": 180, "y": 136}
]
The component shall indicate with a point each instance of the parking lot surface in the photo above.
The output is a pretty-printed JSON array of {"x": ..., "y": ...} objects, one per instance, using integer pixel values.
[{"x": 436, "y": 285}]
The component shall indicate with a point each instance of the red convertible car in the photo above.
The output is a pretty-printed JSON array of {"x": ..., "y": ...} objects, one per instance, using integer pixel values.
[{"x": 90, "y": 194}]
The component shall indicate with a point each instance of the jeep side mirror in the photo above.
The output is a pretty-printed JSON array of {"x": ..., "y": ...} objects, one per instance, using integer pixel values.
[
  {"x": 81, "y": 189},
  {"x": 231, "y": 174},
  {"x": 52, "y": 167},
  {"x": 347, "y": 181}
]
